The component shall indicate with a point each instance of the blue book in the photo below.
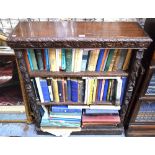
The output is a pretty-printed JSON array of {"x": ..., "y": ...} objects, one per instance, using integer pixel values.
[
  {"x": 84, "y": 60},
  {"x": 99, "y": 61},
  {"x": 99, "y": 89},
  {"x": 47, "y": 59},
  {"x": 39, "y": 58},
  {"x": 69, "y": 89},
  {"x": 104, "y": 98},
  {"x": 101, "y": 111},
  {"x": 124, "y": 79},
  {"x": 45, "y": 91},
  {"x": 60, "y": 90},
  {"x": 63, "y": 59},
  {"x": 30, "y": 60},
  {"x": 74, "y": 90},
  {"x": 64, "y": 109},
  {"x": 65, "y": 119}
]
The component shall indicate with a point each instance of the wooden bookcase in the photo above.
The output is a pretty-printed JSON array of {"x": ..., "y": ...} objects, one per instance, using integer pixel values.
[
  {"x": 70, "y": 34},
  {"x": 140, "y": 114}
]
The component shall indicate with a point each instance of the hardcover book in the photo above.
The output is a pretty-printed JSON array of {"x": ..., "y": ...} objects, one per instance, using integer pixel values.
[{"x": 38, "y": 55}]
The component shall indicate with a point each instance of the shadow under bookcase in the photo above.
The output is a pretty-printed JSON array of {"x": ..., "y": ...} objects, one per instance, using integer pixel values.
[{"x": 94, "y": 36}]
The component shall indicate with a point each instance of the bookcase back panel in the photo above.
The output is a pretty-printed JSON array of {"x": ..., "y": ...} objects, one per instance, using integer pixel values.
[{"x": 78, "y": 35}]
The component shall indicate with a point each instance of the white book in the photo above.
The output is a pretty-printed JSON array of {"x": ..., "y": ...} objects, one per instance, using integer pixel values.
[
  {"x": 119, "y": 90},
  {"x": 58, "y": 59},
  {"x": 12, "y": 109},
  {"x": 65, "y": 116},
  {"x": 39, "y": 89},
  {"x": 106, "y": 107},
  {"x": 86, "y": 91}
]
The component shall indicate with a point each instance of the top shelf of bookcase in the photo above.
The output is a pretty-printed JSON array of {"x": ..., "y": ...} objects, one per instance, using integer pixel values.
[{"x": 72, "y": 34}]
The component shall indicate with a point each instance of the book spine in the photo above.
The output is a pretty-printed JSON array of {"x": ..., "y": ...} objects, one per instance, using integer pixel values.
[
  {"x": 35, "y": 89},
  {"x": 118, "y": 93},
  {"x": 105, "y": 60},
  {"x": 84, "y": 60},
  {"x": 68, "y": 60},
  {"x": 113, "y": 60},
  {"x": 124, "y": 80},
  {"x": 39, "y": 59},
  {"x": 73, "y": 57},
  {"x": 44, "y": 87},
  {"x": 63, "y": 59},
  {"x": 99, "y": 61},
  {"x": 94, "y": 90},
  {"x": 69, "y": 89},
  {"x": 60, "y": 90},
  {"x": 52, "y": 59},
  {"x": 55, "y": 90},
  {"x": 27, "y": 61},
  {"x": 99, "y": 89},
  {"x": 37, "y": 79},
  {"x": 105, "y": 90},
  {"x": 50, "y": 89},
  {"x": 74, "y": 91},
  {"x": 116, "y": 60},
  {"x": 102, "y": 90},
  {"x": 127, "y": 59},
  {"x": 64, "y": 109},
  {"x": 30, "y": 60},
  {"x": 46, "y": 50},
  {"x": 109, "y": 59},
  {"x": 123, "y": 53},
  {"x": 44, "y": 58},
  {"x": 58, "y": 59}
]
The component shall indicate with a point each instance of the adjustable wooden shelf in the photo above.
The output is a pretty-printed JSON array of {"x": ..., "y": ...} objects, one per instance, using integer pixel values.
[{"x": 70, "y": 34}]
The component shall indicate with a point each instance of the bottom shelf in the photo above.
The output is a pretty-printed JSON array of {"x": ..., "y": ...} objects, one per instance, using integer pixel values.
[{"x": 119, "y": 130}]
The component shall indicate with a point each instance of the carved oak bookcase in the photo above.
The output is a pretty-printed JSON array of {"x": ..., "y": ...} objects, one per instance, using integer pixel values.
[{"x": 71, "y": 34}]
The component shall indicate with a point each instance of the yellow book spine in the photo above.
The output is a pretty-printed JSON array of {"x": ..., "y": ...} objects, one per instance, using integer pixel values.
[
  {"x": 55, "y": 90},
  {"x": 91, "y": 91},
  {"x": 52, "y": 59},
  {"x": 127, "y": 60},
  {"x": 109, "y": 89},
  {"x": 94, "y": 90}
]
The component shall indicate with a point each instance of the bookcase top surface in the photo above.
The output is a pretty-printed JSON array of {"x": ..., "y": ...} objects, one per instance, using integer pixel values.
[{"x": 78, "y": 34}]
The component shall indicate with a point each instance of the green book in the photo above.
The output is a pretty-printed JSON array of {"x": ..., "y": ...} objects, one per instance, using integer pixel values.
[
  {"x": 63, "y": 59},
  {"x": 68, "y": 60},
  {"x": 109, "y": 59},
  {"x": 33, "y": 58}
]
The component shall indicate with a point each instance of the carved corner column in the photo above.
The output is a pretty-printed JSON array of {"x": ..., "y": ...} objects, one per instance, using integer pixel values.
[
  {"x": 28, "y": 86},
  {"x": 133, "y": 80}
]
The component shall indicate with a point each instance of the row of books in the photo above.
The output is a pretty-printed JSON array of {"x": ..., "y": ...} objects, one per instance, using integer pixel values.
[
  {"x": 76, "y": 60},
  {"x": 88, "y": 90},
  {"x": 62, "y": 116},
  {"x": 146, "y": 112}
]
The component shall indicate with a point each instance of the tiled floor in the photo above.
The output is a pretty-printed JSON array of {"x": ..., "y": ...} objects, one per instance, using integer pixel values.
[{"x": 25, "y": 130}]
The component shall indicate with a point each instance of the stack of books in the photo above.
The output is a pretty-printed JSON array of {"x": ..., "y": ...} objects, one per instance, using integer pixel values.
[
  {"x": 77, "y": 60},
  {"x": 63, "y": 117},
  {"x": 87, "y": 91},
  {"x": 99, "y": 118}
]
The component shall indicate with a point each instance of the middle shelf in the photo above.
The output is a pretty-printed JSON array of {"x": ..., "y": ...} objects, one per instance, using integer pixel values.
[{"x": 77, "y": 74}]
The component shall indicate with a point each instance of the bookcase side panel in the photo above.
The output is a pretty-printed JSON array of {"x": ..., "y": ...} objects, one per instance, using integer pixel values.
[
  {"x": 28, "y": 86},
  {"x": 132, "y": 81}
]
